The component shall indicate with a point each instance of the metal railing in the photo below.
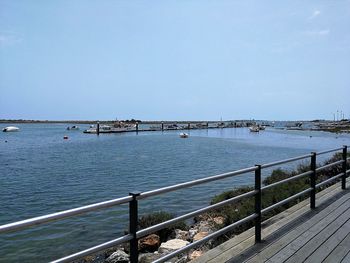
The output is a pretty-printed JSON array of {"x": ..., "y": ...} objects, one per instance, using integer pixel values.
[{"x": 133, "y": 198}]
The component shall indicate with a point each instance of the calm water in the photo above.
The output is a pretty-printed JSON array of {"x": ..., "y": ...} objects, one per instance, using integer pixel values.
[{"x": 42, "y": 173}]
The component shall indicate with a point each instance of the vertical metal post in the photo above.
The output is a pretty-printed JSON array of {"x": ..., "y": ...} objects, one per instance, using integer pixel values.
[
  {"x": 133, "y": 222},
  {"x": 258, "y": 203},
  {"x": 188, "y": 126},
  {"x": 313, "y": 181},
  {"x": 162, "y": 126},
  {"x": 137, "y": 127},
  {"x": 343, "y": 178},
  {"x": 98, "y": 128}
]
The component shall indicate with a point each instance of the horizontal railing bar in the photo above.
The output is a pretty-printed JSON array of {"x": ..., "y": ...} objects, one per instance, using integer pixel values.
[
  {"x": 170, "y": 222},
  {"x": 286, "y": 180},
  {"x": 267, "y": 209},
  {"x": 286, "y": 161},
  {"x": 207, "y": 238},
  {"x": 93, "y": 207},
  {"x": 329, "y": 165},
  {"x": 97, "y": 248},
  {"x": 329, "y": 180},
  {"x": 194, "y": 182},
  {"x": 329, "y": 151},
  {"x": 63, "y": 214}
]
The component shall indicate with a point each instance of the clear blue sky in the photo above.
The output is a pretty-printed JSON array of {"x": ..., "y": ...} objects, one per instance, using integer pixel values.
[{"x": 155, "y": 60}]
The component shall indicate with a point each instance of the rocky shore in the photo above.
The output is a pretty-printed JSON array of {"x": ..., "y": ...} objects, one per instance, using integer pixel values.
[{"x": 151, "y": 248}]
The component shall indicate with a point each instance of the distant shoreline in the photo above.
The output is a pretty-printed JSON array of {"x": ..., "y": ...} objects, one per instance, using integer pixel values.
[{"x": 113, "y": 121}]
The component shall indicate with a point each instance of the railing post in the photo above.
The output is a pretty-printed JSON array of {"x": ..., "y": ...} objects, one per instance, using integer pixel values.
[
  {"x": 133, "y": 222},
  {"x": 343, "y": 178},
  {"x": 258, "y": 204},
  {"x": 313, "y": 181}
]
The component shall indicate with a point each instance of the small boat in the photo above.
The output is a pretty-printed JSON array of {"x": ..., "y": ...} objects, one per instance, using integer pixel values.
[
  {"x": 183, "y": 135},
  {"x": 254, "y": 129},
  {"x": 74, "y": 128},
  {"x": 107, "y": 129},
  {"x": 10, "y": 129},
  {"x": 261, "y": 128},
  {"x": 172, "y": 127}
]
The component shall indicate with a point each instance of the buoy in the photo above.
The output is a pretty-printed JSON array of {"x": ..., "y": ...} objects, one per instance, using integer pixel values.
[{"x": 65, "y": 137}]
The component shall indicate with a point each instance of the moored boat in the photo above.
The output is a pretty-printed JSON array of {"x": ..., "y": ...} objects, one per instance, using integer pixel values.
[
  {"x": 10, "y": 129},
  {"x": 254, "y": 129},
  {"x": 107, "y": 129},
  {"x": 74, "y": 127},
  {"x": 183, "y": 135}
]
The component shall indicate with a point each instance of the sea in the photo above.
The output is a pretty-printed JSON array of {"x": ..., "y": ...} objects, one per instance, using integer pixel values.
[{"x": 43, "y": 173}]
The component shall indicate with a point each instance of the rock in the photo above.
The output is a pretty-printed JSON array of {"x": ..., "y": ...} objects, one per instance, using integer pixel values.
[
  {"x": 180, "y": 234},
  {"x": 149, "y": 257},
  {"x": 195, "y": 254},
  {"x": 149, "y": 243},
  {"x": 182, "y": 259},
  {"x": 219, "y": 220},
  {"x": 192, "y": 232},
  {"x": 204, "y": 226},
  {"x": 200, "y": 235},
  {"x": 118, "y": 257},
  {"x": 171, "y": 245}
]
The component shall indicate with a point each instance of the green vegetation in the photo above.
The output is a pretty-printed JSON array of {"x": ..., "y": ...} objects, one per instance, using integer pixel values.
[{"x": 245, "y": 207}]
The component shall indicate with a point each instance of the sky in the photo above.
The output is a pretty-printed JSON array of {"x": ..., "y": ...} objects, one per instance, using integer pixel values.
[{"x": 174, "y": 60}]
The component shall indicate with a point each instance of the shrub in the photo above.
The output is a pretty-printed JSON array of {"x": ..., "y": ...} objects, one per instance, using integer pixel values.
[
  {"x": 159, "y": 217},
  {"x": 238, "y": 210}
]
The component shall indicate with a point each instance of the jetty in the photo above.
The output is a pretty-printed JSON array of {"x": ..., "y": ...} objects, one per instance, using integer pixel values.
[
  {"x": 317, "y": 229},
  {"x": 122, "y": 127}
]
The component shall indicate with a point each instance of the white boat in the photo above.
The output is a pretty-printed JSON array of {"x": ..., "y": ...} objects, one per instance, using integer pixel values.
[
  {"x": 183, "y": 135},
  {"x": 10, "y": 129},
  {"x": 254, "y": 129},
  {"x": 106, "y": 129}
]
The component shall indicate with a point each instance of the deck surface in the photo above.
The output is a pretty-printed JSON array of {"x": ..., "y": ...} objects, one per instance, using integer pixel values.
[{"x": 296, "y": 235}]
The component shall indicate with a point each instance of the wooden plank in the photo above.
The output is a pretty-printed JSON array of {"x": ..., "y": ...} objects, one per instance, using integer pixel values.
[
  {"x": 271, "y": 225},
  {"x": 285, "y": 240},
  {"x": 339, "y": 252},
  {"x": 346, "y": 259},
  {"x": 245, "y": 249},
  {"x": 301, "y": 248},
  {"x": 330, "y": 244}
]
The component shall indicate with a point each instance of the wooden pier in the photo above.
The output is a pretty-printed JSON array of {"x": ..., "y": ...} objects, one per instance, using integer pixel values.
[{"x": 296, "y": 235}]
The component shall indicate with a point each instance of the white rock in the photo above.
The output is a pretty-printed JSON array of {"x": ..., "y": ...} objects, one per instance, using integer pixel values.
[
  {"x": 171, "y": 245},
  {"x": 118, "y": 257}
]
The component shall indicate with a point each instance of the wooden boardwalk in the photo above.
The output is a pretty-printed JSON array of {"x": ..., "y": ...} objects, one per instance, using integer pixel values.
[{"x": 296, "y": 235}]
